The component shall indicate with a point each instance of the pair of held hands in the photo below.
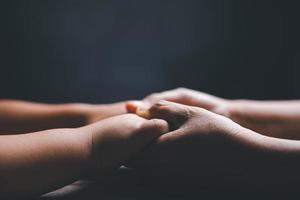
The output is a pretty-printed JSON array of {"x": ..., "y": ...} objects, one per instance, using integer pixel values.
[{"x": 187, "y": 132}]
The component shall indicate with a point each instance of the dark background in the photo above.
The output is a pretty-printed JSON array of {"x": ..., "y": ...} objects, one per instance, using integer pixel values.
[{"x": 112, "y": 50}]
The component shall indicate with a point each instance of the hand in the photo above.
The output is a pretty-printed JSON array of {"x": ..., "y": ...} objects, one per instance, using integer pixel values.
[
  {"x": 272, "y": 118},
  {"x": 202, "y": 143},
  {"x": 116, "y": 140},
  {"x": 191, "y": 98}
]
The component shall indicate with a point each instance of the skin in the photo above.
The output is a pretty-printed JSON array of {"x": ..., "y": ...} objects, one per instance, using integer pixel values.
[
  {"x": 61, "y": 156},
  {"x": 54, "y": 158},
  {"x": 23, "y": 117},
  {"x": 279, "y": 119},
  {"x": 209, "y": 144}
]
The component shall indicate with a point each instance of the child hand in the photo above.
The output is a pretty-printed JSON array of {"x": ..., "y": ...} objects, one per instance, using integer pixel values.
[{"x": 114, "y": 141}]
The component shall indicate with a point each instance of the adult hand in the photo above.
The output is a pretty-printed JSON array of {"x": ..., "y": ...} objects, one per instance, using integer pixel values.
[
  {"x": 272, "y": 118},
  {"x": 205, "y": 143}
]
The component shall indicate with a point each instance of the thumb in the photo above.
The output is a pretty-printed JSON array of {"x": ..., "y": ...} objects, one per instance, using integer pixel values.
[
  {"x": 152, "y": 129},
  {"x": 134, "y": 106}
]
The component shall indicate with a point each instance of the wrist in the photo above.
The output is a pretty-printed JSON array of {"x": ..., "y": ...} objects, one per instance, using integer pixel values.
[
  {"x": 255, "y": 142},
  {"x": 225, "y": 108},
  {"x": 81, "y": 113},
  {"x": 233, "y": 109}
]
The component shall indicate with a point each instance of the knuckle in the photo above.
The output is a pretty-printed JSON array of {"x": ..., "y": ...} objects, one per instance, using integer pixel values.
[
  {"x": 181, "y": 90},
  {"x": 158, "y": 124},
  {"x": 152, "y": 96},
  {"x": 159, "y": 108},
  {"x": 156, "y": 107},
  {"x": 183, "y": 94},
  {"x": 133, "y": 121},
  {"x": 187, "y": 113},
  {"x": 132, "y": 116},
  {"x": 201, "y": 111}
]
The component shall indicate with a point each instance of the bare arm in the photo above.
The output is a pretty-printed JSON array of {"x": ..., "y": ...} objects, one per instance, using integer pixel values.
[
  {"x": 273, "y": 118},
  {"x": 36, "y": 163},
  {"x": 22, "y": 117}
]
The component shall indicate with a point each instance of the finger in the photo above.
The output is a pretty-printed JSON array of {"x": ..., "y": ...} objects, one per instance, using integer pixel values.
[
  {"x": 157, "y": 147},
  {"x": 152, "y": 129},
  {"x": 133, "y": 106},
  {"x": 171, "y": 95},
  {"x": 139, "y": 108},
  {"x": 176, "y": 114},
  {"x": 152, "y": 132}
]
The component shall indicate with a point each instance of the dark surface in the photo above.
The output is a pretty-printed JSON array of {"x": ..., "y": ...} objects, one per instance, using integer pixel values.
[
  {"x": 131, "y": 185},
  {"x": 111, "y": 50}
]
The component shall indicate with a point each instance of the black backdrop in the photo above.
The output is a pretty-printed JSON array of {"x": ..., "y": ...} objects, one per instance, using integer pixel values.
[{"x": 111, "y": 50}]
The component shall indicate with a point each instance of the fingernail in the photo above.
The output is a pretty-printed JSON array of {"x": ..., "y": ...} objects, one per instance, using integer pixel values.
[{"x": 143, "y": 113}]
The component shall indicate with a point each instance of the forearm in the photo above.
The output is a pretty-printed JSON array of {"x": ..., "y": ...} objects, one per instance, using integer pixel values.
[
  {"x": 21, "y": 117},
  {"x": 273, "y": 118},
  {"x": 36, "y": 163},
  {"x": 260, "y": 154}
]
